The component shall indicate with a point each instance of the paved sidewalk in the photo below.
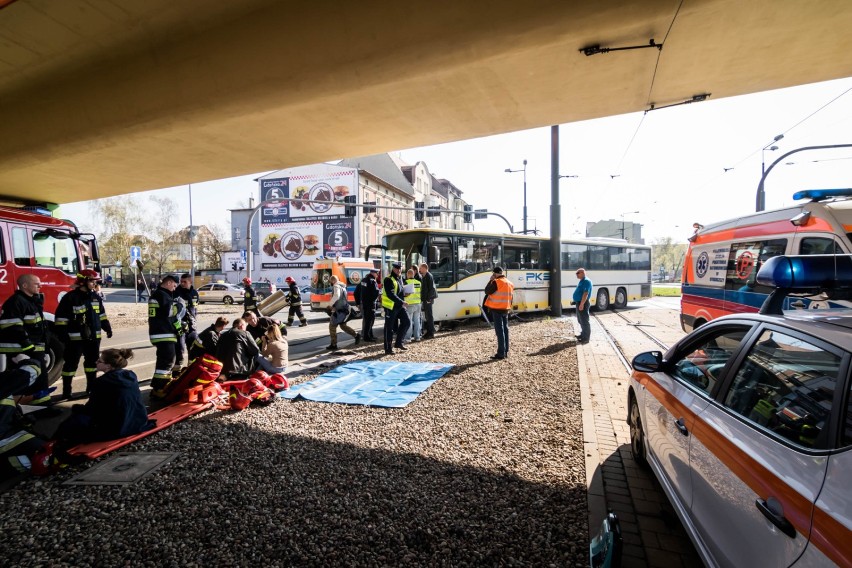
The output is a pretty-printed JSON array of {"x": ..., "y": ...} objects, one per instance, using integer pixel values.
[{"x": 653, "y": 535}]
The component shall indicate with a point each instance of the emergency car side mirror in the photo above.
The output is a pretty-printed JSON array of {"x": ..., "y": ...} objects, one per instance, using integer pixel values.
[{"x": 648, "y": 362}]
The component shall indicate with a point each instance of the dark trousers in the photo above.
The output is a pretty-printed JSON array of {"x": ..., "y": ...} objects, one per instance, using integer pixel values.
[
  {"x": 368, "y": 319},
  {"x": 183, "y": 342},
  {"x": 428, "y": 318},
  {"x": 90, "y": 351},
  {"x": 296, "y": 312},
  {"x": 164, "y": 363},
  {"x": 583, "y": 319},
  {"x": 501, "y": 328},
  {"x": 396, "y": 322}
]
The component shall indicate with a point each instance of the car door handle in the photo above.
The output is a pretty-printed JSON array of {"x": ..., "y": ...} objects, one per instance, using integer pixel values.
[
  {"x": 681, "y": 426},
  {"x": 772, "y": 510}
]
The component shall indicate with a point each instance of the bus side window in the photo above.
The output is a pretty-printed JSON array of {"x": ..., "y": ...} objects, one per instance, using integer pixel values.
[
  {"x": 819, "y": 245},
  {"x": 441, "y": 261},
  {"x": 20, "y": 246}
]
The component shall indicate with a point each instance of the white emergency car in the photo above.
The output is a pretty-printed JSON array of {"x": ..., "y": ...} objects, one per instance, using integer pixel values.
[{"x": 747, "y": 424}]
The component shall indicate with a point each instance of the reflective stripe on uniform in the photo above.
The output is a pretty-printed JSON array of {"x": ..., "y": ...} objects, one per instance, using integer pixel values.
[
  {"x": 414, "y": 297},
  {"x": 20, "y": 463},
  {"x": 162, "y": 373},
  {"x": 161, "y": 337},
  {"x": 14, "y": 440},
  {"x": 502, "y": 298},
  {"x": 386, "y": 301}
]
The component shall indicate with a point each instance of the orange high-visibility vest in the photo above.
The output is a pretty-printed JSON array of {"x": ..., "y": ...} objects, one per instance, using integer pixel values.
[{"x": 502, "y": 298}]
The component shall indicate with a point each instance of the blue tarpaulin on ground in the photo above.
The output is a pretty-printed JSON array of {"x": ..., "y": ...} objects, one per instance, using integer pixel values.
[{"x": 390, "y": 384}]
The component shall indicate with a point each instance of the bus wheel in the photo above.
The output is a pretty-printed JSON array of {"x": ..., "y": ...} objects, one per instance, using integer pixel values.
[
  {"x": 620, "y": 298},
  {"x": 53, "y": 360},
  {"x": 602, "y": 303}
]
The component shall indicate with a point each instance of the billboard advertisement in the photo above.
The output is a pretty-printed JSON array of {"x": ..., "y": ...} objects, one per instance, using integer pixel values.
[{"x": 302, "y": 217}]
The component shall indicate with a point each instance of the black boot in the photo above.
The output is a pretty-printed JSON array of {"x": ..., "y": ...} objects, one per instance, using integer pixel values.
[{"x": 66, "y": 387}]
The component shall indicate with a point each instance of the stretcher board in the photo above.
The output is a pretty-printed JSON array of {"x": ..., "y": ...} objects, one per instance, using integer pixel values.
[{"x": 165, "y": 417}]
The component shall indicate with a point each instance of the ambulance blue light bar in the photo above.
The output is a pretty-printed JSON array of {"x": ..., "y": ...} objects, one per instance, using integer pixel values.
[
  {"x": 809, "y": 272},
  {"x": 822, "y": 194}
]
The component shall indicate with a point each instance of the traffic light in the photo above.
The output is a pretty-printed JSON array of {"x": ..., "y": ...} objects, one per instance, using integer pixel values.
[
  {"x": 418, "y": 210},
  {"x": 369, "y": 207},
  {"x": 434, "y": 211},
  {"x": 349, "y": 209},
  {"x": 480, "y": 214},
  {"x": 468, "y": 213}
]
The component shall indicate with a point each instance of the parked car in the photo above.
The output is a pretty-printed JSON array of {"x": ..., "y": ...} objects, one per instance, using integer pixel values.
[
  {"x": 747, "y": 424},
  {"x": 220, "y": 292},
  {"x": 263, "y": 289}
]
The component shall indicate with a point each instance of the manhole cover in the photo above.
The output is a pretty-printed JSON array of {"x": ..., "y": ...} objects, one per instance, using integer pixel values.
[{"x": 123, "y": 469}]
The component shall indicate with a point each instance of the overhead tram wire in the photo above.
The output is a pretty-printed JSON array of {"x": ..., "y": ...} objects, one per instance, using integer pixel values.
[
  {"x": 785, "y": 132},
  {"x": 650, "y": 90}
]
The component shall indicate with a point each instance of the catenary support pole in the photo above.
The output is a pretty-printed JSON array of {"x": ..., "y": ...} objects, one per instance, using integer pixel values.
[{"x": 555, "y": 227}]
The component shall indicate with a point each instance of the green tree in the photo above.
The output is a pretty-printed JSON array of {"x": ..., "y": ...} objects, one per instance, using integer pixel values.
[{"x": 668, "y": 254}]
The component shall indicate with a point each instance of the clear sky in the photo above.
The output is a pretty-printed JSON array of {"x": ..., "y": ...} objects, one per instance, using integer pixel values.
[{"x": 664, "y": 169}]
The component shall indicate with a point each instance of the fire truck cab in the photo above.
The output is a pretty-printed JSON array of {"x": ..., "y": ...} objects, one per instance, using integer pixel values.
[{"x": 34, "y": 242}]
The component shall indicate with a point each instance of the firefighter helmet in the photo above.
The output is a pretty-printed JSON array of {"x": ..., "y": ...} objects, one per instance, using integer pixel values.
[
  {"x": 247, "y": 281},
  {"x": 87, "y": 274},
  {"x": 289, "y": 280}
]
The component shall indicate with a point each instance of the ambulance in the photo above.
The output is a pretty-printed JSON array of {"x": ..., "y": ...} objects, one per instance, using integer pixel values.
[
  {"x": 349, "y": 271},
  {"x": 722, "y": 261}
]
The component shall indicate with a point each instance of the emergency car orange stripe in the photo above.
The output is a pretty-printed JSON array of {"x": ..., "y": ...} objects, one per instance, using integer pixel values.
[{"x": 830, "y": 536}]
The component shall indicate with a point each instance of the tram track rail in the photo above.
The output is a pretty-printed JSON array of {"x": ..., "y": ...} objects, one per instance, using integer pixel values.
[{"x": 620, "y": 351}]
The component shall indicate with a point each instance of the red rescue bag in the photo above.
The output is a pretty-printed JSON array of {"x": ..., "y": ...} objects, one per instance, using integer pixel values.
[{"x": 202, "y": 371}]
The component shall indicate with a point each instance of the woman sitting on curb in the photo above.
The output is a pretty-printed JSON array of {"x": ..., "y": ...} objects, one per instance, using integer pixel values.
[
  {"x": 274, "y": 352},
  {"x": 114, "y": 409}
]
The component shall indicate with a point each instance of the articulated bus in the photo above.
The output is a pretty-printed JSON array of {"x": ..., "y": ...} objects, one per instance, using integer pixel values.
[
  {"x": 721, "y": 264},
  {"x": 461, "y": 263}
]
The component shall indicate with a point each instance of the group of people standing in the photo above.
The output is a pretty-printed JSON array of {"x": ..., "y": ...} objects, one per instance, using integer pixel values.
[{"x": 404, "y": 303}]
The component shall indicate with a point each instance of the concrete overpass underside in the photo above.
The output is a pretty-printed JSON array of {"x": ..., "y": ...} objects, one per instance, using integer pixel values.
[{"x": 103, "y": 97}]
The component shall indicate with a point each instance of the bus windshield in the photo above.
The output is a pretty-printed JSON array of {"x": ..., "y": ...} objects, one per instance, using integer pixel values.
[{"x": 407, "y": 248}]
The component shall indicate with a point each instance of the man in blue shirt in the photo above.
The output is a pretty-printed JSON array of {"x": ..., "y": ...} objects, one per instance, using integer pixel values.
[{"x": 582, "y": 297}]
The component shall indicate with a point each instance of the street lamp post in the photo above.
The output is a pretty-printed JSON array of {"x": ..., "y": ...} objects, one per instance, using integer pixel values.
[
  {"x": 761, "y": 194},
  {"x": 511, "y": 171}
]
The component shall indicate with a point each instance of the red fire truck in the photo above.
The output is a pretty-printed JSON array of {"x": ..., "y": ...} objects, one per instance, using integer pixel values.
[{"x": 34, "y": 242}]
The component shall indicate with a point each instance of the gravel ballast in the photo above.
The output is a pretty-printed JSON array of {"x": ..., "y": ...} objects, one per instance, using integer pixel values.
[{"x": 485, "y": 468}]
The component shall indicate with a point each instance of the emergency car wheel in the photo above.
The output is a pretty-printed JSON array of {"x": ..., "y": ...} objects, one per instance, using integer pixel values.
[
  {"x": 259, "y": 297},
  {"x": 637, "y": 435},
  {"x": 228, "y": 300},
  {"x": 620, "y": 298},
  {"x": 53, "y": 360},
  {"x": 602, "y": 303}
]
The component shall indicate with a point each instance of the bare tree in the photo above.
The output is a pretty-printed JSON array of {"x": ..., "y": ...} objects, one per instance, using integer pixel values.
[
  {"x": 119, "y": 223},
  {"x": 212, "y": 241},
  {"x": 163, "y": 246}
]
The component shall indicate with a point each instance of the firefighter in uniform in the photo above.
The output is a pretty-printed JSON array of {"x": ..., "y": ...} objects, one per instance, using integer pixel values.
[
  {"x": 23, "y": 330},
  {"x": 186, "y": 292},
  {"x": 250, "y": 297},
  {"x": 396, "y": 318},
  {"x": 80, "y": 317},
  {"x": 499, "y": 302},
  {"x": 294, "y": 298},
  {"x": 164, "y": 326}
]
